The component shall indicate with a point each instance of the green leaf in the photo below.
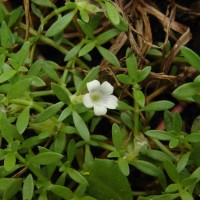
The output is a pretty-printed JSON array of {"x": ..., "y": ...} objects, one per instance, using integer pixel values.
[
  {"x": 32, "y": 141},
  {"x": 183, "y": 161},
  {"x": 87, "y": 48},
  {"x": 177, "y": 122},
  {"x": 109, "y": 56},
  {"x": 87, "y": 6},
  {"x": 43, "y": 195},
  {"x": 81, "y": 126},
  {"x": 60, "y": 24},
  {"x": 28, "y": 188},
  {"x": 174, "y": 142},
  {"x": 61, "y": 191},
  {"x": 106, "y": 36},
  {"x": 73, "y": 52},
  {"x": 84, "y": 16},
  {"x": 186, "y": 195},
  {"x": 45, "y": 3},
  {"x": 193, "y": 137},
  {"x": 2, "y": 61},
  {"x": 86, "y": 28},
  {"x": 22, "y": 54},
  {"x": 123, "y": 106},
  {"x": 13, "y": 62},
  {"x": 7, "y": 130},
  {"x": 76, "y": 176},
  {"x": 131, "y": 64},
  {"x": 116, "y": 136},
  {"x": 6, "y": 37},
  {"x": 112, "y": 13},
  {"x": 168, "y": 118},
  {"x": 196, "y": 125},
  {"x": 123, "y": 166},
  {"x": 71, "y": 150},
  {"x": 187, "y": 90},
  {"x": 189, "y": 181},
  {"x": 161, "y": 197},
  {"x": 154, "y": 52},
  {"x": 171, "y": 171},
  {"x": 156, "y": 155},
  {"x": 37, "y": 82},
  {"x": 35, "y": 68},
  {"x": 122, "y": 26},
  {"x": 49, "y": 112},
  {"x": 46, "y": 158},
  {"x": 2, "y": 14},
  {"x": 127, "y": 120},
  {"x": 146, "y": 167},
  {"x": 159, "y": 135},
  {"x": 172, "y": 188},
  {"x": 123, "y": 78},
  {"x": 7, "y": 75},
  {"x": 9, "y": 161},
  {"x": 13, "y": 188},
  {"x": 90, "y": 76},
  {"x": 23, "y": 120},
  {"x": 191, "y": 57},
  {"x": 106, "y": 180},
  {"x": 64, "y": 114},
  {"x": 15, "y": 15},
  {"x": 139, "y": 97},
  {"x": 142, "y": 74},
  {"x": 19, "y": 88},
  {"x": 60, "y": 142},
  {"x": 61, "y": 93},
  {"x": 158, "y": 106},
  {"x": 5, "y": 183},
  {"x": 114, "y": 154},
  {"x": 49, "y": 68}
]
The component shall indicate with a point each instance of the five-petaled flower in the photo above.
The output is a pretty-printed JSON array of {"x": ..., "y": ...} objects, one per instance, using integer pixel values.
[{"x": 100, "y": 97}]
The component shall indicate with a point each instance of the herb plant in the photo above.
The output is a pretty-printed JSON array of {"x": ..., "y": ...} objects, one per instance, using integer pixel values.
[{"x": 77, "y": 107}]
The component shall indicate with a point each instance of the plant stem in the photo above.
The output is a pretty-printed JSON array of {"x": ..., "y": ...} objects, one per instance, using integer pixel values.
[
  {"x": 48, "y": 17},
  {"x": 27, "y": 103},
  {"x": 31, "y": 168},
  {"x": 106, "y": 146},
  {"x": 136, "y": 119},
  {"x": 41, "y": 93},
  {"x": 164, "y": 149},
  {"x": 144, "y": 193}
]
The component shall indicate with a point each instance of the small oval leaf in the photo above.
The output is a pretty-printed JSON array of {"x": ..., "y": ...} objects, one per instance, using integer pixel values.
[
  {"x": 81, "y": 126},
  {"x": 46, "y": 158},
  {"x": 60, "y": 24}
]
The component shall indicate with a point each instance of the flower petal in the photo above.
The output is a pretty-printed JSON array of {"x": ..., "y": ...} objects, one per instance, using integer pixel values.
[
  {"x": 99, "y": 109},
  {"x": 93, "y": 86},
  {"x": 87, "y": 101},
  {"x": 110, "y": 101},
  {"x": 106, "y": 88}
]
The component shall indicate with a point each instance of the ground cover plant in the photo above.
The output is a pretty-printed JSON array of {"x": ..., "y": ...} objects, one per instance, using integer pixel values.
[{"x": 96, "y": 99}]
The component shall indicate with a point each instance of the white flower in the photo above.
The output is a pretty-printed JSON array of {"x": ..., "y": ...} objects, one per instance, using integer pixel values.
[{"x": 100, "y": 97}]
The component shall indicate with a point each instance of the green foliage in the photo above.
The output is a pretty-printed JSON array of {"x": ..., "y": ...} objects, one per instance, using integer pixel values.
[
  {"x": 60, "y": 24},
  {"x": 52, "y": 146},
  {"x": 81, "y": 126},
  {"x": 45, "y": 3},
  {"x": 109, "y": 56},
  {"x": 106, "y": 181},
  {"x": 112, "y": 13},
  {"x": 191, "y": 57}
]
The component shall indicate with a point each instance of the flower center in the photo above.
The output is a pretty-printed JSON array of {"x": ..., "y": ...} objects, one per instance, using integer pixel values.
[{"x": 95, "y": 96}]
